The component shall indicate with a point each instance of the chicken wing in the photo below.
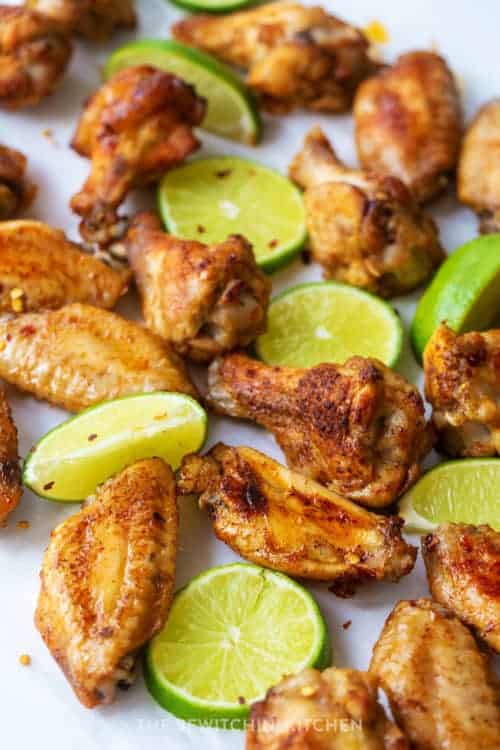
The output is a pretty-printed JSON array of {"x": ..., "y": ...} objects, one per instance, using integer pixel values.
[
  {"x": 107, "y": 580},
  {"x": 462, "y": 383},
  {"x": 463, "y": 570},
  {"x": 295, "y": 56},
  {"x": 334, "y": 710},
  {"x": 358, "y": 428},
  {"x": 138, "y": 125},
  {"x": 442, "y": 691},
  {"x": 34, "y": 54},
  {"x": 94, "y": 19},
  {"x": 365, "y": 229},
  {"x": 409, "y": 123},
  {"x": 79, "y": 355},
  {"x": 16, "y": 192},
  {"x": 10, "y": 474},
  {"x": 279, "y": 519}
]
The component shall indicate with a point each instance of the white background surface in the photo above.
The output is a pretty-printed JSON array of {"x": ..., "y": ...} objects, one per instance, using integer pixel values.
[{"x": 37, "y": 707}]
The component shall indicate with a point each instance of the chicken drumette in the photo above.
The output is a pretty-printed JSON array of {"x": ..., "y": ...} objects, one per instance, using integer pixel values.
[
  {"x": 137, "y": 126},
  {"x": 16, "y": 192},
  {"x": 95, "y": 19},
  {"x": 365, "y": 229},
  {"x": 10, "y": 473}
]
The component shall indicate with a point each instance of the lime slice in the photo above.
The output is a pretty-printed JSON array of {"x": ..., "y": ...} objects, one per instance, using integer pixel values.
[
  {"x": 464, "y": 491},
  {"x": 209, "y": 199},
  {"x": 465, "y": 292},
  {"x": 70, "y": 461},
  {"x": 212, "y": 6},
  {"x": 232, "y": 633},
  {"x": 231, "y": 111},
  {"x": 329, "y": 322}
]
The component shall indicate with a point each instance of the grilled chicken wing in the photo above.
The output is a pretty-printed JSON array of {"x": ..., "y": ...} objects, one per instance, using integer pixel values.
[
  {"x": 295, "y": 56},
  {"x": 34, "y": 53},
  {"x": 10, "y": 474},
  {"x": 205, "y": 300},
  {"x": 442, "y": 691},
  {"x": 16, "y": 192},
  {"x": 95, "y": 19},
  {"x": 358, "y": 428},
  {"x": 80, "y": 355},
  {"x": 138, "y": 125},
  {"x": 279, "y": 519},
  {"x": 409, "y": 123},
  {"x": 365, "y": 229},
  {"x": 107, "y": 580},
  {"x": 463, "y": 570},
  {"x": 334, "y": 710}
]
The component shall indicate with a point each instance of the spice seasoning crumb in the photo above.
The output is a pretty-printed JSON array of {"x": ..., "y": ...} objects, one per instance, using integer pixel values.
[
  {"x": 48, "y": 486},
  {"x": 23, "y": 525},
  {"x": 346, "y": 625},
  {"x": 241, "y": 700},
  {"x": 25, "y": 660},
  {"x": 223, "y": 173},
  {"x": 273, "y": 243},
  {"x": 92, "y": 437},
  {"x": 201, "y": 229}
]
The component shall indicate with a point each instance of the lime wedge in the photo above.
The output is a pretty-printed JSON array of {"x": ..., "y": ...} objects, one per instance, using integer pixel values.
[
  {"x": 231, "y": 111},
  {"x": 209, "y": 199},
  {"x": 212, "y": 6},
  {"x": 464, "y": 491},
  {"x": 232, "y": 633},
  {"x": 465, "y": 292},
  {"x": 70, "y": 461},
  {"x": 329, "y": 322}
]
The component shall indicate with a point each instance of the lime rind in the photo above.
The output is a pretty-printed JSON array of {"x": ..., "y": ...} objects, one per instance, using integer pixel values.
[{"x": 217, "y": 7}]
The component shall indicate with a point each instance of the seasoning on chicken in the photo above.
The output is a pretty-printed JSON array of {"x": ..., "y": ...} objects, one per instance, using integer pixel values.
[
  {"x": 10, "y": 473},
  {"x": 279, "y": 519},
  {"x": 409, "y": 123},
  {"x": 16, "y": 192},
  {"x": 365, "y": 229},
  {"x": 95, "y": 19}
]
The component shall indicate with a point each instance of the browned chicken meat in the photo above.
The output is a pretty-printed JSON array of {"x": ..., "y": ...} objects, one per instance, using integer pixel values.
[
  {"x": 34, "y": 53},
  {"x": 365, "y": 229},
  {"x": 463, "y": 570},
  {"x": 205, "y": 300},
  {"x": 10, "y": 474},
  {"x": 138, "y": 125},
  {"x": 409, "y": 123},
  {"x": 334, "y": 710},
  {"x": 295, "y": 56},
  {"x": 279, "y": 519},
  {"x": 358, "y": 428},
  {"x": 108, "y": 578},
  {"x": 462, "y": 382},
  {"x": 80, "y": 355},
  {"x": 95, "y": 19},
  {"x": 16, "y": 192},
  {"x": 441, "y": 688}
]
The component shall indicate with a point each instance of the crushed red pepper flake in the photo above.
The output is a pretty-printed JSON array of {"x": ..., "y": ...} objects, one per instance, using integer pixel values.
[
  {"x": 241, "y": 700},
  {"x": 347, "y": 624},
  {"x": 273, "y": 243},
  {"x": 48, "y": 486}
]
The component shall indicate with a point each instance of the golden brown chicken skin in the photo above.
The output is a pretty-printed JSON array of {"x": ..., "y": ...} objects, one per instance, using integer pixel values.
[
  {"x": 365, "y": 229},
  {"x": 107, "y": 580},
  {"x": 442, "y": 691},
  {"x": 10, "y": 473},
  {"x": 16, "y": 191},
  {"x": 206, "y": 300},
  {"x": 409, "y": 123},
  {"x": 138, "y": 125},
  {"x": 337, "y": 709},
  {"x": 279, "y": 519},
  {"x": 34, "y": 54},
  {"x": 295, "y": 56},
  {"x": 80, "y": 355},
  {"x": 94, "y": 19}
]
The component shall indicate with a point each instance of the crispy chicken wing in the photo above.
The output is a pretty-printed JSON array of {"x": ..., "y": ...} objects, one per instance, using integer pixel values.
[
  {"x": 409, "y": 123},
  {"x": 10, "y": 474},
  {"x": 334, "y": 710},
  {"x": 442, "y": 691},
  {"x": 358, "y": 428},
  {"x": 95, "y": 19},
  {"x": 80, "y": 355},
  {"x": 463, "y": 570},
  {"x": 16, "y": 192},
  {"x": 365, "y": 229},
  {"x": 138, "y": 125},
  {"x": 107, "y": 580},
  {"x": 295, "y": 56}
]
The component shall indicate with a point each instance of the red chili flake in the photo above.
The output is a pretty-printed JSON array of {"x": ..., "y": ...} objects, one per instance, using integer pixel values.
[
  {"x": 28, "y": 330},
  {"x": 92, "y": 437},
  {"x": 241, "y": 700},
  {"x": 201, "y": 229},
  {"x": 9, "y": 337},
  {"x": 48, "y": 486},
  {"x": 273, "y": 243},
  {"x": 223, "y": 173},
  {"x": 346, "y": 625}
]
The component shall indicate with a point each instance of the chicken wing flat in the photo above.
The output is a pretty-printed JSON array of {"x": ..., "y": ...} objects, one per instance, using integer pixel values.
[
  {"x": 442, "y": 691},
  {"x": 358, "y": 428},
  {"x": 79, "y": 355},
  {"x": 138, "y": 125},
  {"x": 205, "y": 300},
  {"x": 10, "y": 474},
  {"x": 409, "y": 123},
  {"x": 463, "y": 570},
  {"x": 107, "y": 580},
  {"x": 365, "y": 229},
  {"x": 334, "y": 710},
  {"x": 16, "y": 192},
  {"x": 295, "y": 56},
  {"x": 462, "y": 383},
  {"x": 34, "y": 54},
  {"x": 279, "y": 519},
  {"x": 94, "y": 19}
]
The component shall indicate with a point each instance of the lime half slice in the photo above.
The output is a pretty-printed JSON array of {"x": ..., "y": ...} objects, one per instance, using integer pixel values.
[
  {"x": 70, "y": 461},
  {"x": 212, "y": 6},
  {"x": 231, "y": 112},
  {"x": 231, "y": 634},
  {"x": 329, "y": 322},
  {"x": 209, "y": 199}
]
